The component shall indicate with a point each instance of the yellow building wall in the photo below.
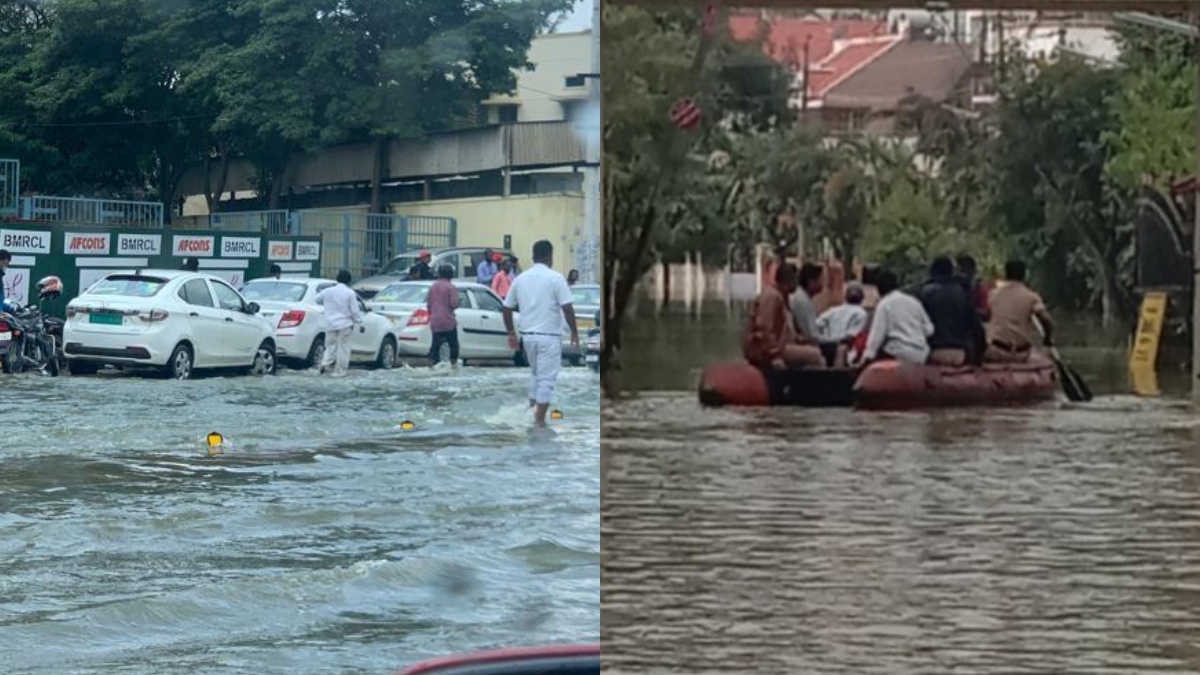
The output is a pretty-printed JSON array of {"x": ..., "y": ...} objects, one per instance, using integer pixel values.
[{"x": 483, "y": 221}]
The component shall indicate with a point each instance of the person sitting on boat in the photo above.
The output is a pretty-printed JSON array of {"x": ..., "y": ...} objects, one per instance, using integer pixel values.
[
  {"x": 804, "y": 307},
  {"x": 770, "y": 338},
  {"x": 968, "y": 273},
  {"x": 838, "y": 326},
  {"x": 952, "y": 312},
  {"x": 1011, "y": 332},
  {"x": 900, "y": 327}
]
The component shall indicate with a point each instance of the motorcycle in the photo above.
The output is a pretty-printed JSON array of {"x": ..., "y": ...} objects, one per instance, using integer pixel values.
[{"x": 33, "y": 344}]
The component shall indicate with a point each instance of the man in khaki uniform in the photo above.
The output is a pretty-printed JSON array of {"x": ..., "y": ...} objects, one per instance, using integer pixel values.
[{"x": 1011, "y": 332}]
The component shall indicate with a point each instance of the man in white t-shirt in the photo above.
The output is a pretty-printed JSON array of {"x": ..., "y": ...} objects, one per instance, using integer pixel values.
[
  {"x": 543, "y": 298},
  {"x": 341, "y": 316}
]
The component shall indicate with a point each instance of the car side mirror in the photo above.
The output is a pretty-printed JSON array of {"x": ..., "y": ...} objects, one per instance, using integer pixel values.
[{"x": 252, "y": 308}]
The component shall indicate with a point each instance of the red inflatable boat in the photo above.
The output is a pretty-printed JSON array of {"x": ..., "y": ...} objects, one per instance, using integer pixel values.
[
  {"x": 553, "y": 660},
  {"x": 884, "y": 385}
]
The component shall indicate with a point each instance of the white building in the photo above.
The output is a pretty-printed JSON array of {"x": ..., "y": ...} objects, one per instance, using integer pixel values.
[{"x": 558, "y": 86}]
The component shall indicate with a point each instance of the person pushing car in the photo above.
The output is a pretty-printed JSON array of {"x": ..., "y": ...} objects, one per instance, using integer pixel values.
[{"x": 341, "y": 316}]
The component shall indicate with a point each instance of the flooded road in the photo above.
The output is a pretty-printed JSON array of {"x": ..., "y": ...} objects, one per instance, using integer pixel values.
[
  {"x": 325, "y": 540},
  {"x": 1055, "y": 539}
]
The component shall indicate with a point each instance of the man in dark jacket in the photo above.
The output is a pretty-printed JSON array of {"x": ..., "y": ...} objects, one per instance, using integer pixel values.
[
  {"x": 950, "y": 307},
  {"x": 421, "y": 270},
  {"x": 968, "y": 274}
]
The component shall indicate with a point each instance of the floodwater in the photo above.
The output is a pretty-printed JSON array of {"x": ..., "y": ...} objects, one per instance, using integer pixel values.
[
  {"x": 1054, "y": 539},
  {"x": 324, "y": 540}
]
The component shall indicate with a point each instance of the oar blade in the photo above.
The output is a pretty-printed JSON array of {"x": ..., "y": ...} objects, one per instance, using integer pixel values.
[{"x": 1073, "y": 385}]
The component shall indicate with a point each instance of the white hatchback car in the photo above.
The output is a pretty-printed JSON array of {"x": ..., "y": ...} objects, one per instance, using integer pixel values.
[
  {"x": 300, "y": 323},
  {"x": 480, "y": 316},
  {"x": 171, "y": 320}
]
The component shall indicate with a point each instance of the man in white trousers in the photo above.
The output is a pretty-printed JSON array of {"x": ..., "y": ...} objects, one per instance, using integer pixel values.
[
  {"x": 341, "y": 317},
  {"x": 543, "y": 298}
]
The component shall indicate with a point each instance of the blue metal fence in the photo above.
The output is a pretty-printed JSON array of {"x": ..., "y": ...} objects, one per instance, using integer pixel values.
[
  {"x": 84, "y": 211},
  {"x": 364, "y": 243},
  {"x": 270, "y": 222}
]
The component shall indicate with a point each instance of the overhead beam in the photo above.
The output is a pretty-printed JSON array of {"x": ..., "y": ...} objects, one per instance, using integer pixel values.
[{"x": 1158, "y": 6}]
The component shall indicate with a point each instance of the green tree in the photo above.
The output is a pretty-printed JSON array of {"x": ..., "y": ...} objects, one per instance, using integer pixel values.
[
  {"x": 1154, "y": 135},
  {"x": 1054, "y": 197},
  {"x": 659, "y": 193}
]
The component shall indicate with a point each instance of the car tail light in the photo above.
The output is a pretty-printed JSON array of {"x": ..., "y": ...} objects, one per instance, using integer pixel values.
[
  {"x": 153, "y": 315},
  {"x": 291, "y": 318},
  {"x": 419, "y": 318},
  {"x": 4, "y": 327}
]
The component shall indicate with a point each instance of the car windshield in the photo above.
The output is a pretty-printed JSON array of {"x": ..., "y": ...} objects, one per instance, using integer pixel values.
[
  {"x": 588, "y": 295},
  {"x": 399, "y": 265},
  {"x": 274, "y": 291},
  {"x": 406, "y": 293},
  {"x": 128, "y": 285}
]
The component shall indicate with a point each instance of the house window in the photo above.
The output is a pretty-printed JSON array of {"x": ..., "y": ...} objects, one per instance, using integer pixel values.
[
  {"x": 507, "y": 114},
  {"x": 574, "y": 81}
]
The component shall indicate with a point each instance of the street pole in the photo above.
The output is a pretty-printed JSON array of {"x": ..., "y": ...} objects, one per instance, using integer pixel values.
[{"x": 1196, "y": 238}]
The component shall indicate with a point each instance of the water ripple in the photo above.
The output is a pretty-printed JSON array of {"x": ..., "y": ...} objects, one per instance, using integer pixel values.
[{"x": 1046, "y": 540}]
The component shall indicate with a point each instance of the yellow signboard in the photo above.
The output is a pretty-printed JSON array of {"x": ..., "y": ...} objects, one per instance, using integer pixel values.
[{"x": 1145, "y": 346}]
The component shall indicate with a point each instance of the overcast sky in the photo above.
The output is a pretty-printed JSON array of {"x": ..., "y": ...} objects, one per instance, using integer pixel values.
[{"x": 580, "y": 19}]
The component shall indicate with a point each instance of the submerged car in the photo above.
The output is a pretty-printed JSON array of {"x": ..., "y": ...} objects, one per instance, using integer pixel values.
[
  {"x": 480, "y": 315},
  {"x": 300, "y": 323},
  {"x": 172, "y": 321},
  {"x": 585, "y": 299},
  {"x": 592, "y": 345}
]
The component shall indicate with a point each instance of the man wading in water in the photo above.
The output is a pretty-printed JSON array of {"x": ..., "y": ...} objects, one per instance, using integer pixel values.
[
  {"x": 543, "y": 298},
  {"x": 341, "y": 316}
]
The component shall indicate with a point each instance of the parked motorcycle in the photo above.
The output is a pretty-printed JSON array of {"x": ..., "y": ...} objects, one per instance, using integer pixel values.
[
  {"x": 35, "y": 338},
  {"x": 32, "y": 347}
]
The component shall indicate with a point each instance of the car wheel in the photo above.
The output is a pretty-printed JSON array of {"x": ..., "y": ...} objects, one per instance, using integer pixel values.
[
  {"x": 316, "y": 352},
  {"x": 77, "y": 367},
  {"x": 387, "y": 354},
  {"x": 264, "y": 360},
  {"x": 575, "y": 361},
  {"x": 180, "y": 365}
]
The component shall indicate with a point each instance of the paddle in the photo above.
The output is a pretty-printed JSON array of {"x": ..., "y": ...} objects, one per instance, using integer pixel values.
[{"x": 1073, "y": 385}]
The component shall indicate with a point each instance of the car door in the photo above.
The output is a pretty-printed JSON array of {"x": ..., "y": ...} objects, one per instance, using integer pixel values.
[
  {"x": 243, "y": 331},
  {"x": 365, "y": 339},
  {"x": 491, "y": 334},
  {"x": 206, "y": 323}
]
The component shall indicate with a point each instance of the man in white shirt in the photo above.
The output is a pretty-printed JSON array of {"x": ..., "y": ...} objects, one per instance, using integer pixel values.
[
  {"x": 900, "y": 328},
  {"x": 838, "y": 326},
  {"x": 844, "y": 321},
  {"x": 543, "y": 298},
  {"x": 341, "y": 316}
]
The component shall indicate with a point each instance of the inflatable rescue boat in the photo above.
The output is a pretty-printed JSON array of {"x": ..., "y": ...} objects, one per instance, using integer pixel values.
[{"x": 883, "y": 385}]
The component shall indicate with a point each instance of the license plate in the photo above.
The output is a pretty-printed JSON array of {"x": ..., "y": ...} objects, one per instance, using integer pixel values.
[
  {"x": 593, "y": 358},
  {"x": 5, "y": 337},
  {"x": 106, "y": 319}
]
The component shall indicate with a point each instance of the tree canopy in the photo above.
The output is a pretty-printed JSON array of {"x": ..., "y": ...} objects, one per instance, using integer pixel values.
[{"x": 119, "y": 97}]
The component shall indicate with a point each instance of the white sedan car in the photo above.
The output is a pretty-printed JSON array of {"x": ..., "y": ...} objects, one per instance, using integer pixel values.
[
  {"x": 480, "y": 316},
  {"x": 171, "y": 320},
  {"x": 300, "y": 323}
]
